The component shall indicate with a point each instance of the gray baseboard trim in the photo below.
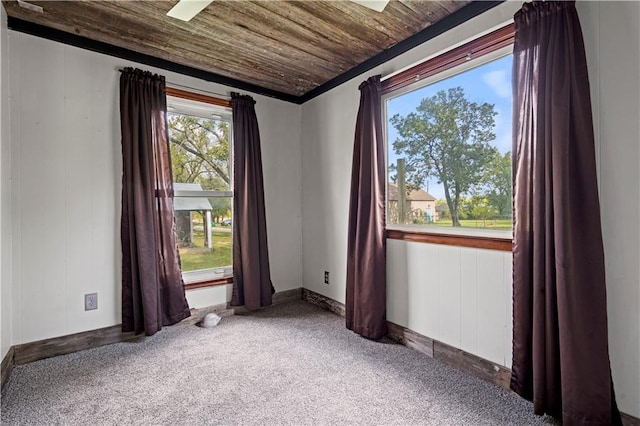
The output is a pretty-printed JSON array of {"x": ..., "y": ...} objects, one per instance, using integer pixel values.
[
  {"x": 7, "y": 365},
  {"x": 287, "y": 296},
  {"x": 278, "y": 298},
  {"x": 411, "y": 339},
  {"x": 479, "y": 367},
  {"x": 484, "y": 369},
  {"x": 629, "y": 420},
  {"x": 198, "y": 314},
  {"x": 323, "y": 302},
  {"x": 62, "y": 345},
  {"x": 47, "y": 348},
  {"x": 472, "y": 364}
]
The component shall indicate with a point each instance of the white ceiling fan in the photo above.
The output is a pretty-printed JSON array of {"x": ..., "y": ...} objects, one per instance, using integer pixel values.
[{"x": 185, "y": 10}]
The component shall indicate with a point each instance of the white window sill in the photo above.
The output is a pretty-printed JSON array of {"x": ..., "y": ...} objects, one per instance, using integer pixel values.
[
  {"x": 202, "y": 275},
  {"x": 462, "y": 232}
]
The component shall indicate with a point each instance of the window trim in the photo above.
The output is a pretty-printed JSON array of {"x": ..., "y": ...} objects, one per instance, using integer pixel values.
[
  {"x": 203, "y": 193},
  {"x": 220, "y": 102},
  {"x": 476, "y": 48},
  {"x": 198, "y": 97},
  {"x": 209, "y": 283},
  {"x": 473, "y": 241}
]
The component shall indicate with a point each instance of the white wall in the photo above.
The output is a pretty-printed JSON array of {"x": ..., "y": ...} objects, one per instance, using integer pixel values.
[
  {"x": 443, "y": 292},
  {"x": 459, "y": 296},
  {"x": 66, "y": 210},
  {"x": 66, "y": 163},
  {"x": 612, "y": 40},
  {"x": 463, "y": 296},
  {"x": 6, "y": 310}
]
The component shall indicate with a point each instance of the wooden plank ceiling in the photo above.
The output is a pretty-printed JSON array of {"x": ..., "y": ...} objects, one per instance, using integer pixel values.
[{"x": 287, "y": 46}]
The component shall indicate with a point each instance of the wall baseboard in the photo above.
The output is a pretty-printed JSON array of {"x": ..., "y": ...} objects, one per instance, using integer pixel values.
[
  {"x": 198, "y": 314},
  {"x": 472, "y": 364},
  {"x": 7, "y": 365},
  {"x": 484, "y": 369},
  {"x": 411, "y": 339},
  {"x": 323, "y": 302},
  {"x": 479, "y": 367},
  {"x": 62, "y": 345},
  {"x": 279, "y": 298},
  {"x": 47, "y": 348},
  {"x": 629, "y": 420}
]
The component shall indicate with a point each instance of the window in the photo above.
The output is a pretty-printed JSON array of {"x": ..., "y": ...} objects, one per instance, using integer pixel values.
[
  {"x": 201, "y": 149},
  {"x": 448, "y": 139}
]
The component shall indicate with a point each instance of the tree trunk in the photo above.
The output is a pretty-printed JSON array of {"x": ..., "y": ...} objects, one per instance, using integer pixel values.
[
  {"x": 183, "y": 228},
  {"x": 402, "y": 192},
  {"x": 453, "y": 208},
  {"x": 205, "y": 228},
  {"x": 454, "y": 217}
]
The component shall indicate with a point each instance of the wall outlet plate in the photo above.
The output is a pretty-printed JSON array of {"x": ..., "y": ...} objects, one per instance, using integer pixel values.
[
  {"x": 326, "y": 277},
  {"x": 90, "y": 301}
]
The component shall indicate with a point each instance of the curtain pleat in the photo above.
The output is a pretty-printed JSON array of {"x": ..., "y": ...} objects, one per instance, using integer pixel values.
[
  {"x": 366, "y": 303},
  {"x": 251, "y": 274},
  {"x": 152, "y": 287},
  {"x": 560, "y": 342}
]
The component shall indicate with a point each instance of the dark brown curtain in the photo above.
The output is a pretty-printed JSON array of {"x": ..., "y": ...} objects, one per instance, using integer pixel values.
[
  {"x": 152, "y": 287},
  {"x": 366, "y": 299},
  {"x": 560, "y": 344},
  {"x": 251, "y": 275}
]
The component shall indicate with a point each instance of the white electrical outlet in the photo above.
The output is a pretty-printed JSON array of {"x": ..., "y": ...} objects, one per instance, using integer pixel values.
[{"x": 90, "y": 301}]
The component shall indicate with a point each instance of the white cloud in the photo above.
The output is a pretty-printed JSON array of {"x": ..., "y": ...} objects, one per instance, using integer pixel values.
[{"x": 498, "y": 82}]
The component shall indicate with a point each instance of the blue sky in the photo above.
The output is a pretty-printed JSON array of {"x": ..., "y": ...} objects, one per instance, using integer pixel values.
[{"x": 490, "y": 83}]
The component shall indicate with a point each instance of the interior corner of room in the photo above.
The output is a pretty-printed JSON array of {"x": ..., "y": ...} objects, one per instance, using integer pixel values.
[{"x": 60, "y": 204}]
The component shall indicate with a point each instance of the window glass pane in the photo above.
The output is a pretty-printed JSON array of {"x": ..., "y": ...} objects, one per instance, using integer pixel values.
[
  {"x": 201, "y": 161},
  {"x": 449, "y": 151},
  {"x": 200, "y": 151},
  {"x": 197, "y": 251}
]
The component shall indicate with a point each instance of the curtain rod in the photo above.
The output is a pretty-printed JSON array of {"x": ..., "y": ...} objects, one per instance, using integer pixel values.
[{"x": 193, "y": 89}]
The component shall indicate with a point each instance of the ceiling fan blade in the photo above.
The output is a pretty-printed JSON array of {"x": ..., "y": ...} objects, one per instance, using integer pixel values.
[
  {"x": 185, "y": 10},
  {"x": 377, "y": 5}
]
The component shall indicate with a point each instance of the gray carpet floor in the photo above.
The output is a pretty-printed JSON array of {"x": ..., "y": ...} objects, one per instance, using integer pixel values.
[{"x": 292, "y": 364}]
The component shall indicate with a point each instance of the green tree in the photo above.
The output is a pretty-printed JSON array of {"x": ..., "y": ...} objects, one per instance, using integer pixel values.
[
  {"x": 497, "y": 181},
  {"x": 442, "y": 212},
  {"x": 220, "y": 208},
  {"x": 447, "y": 138},
  {"x": 199, "y": 154},
  {"x": 479, "y": 207},
  {"x": 200, "y": 151}
]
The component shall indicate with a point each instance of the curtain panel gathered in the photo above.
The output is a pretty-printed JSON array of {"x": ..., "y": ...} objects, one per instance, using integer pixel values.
[
  {"x": 251, "y": 275},
  {"x": 366, "y": 300},
  {"x": 560, "y": 342},
  {"x": 152, "y": 287}
]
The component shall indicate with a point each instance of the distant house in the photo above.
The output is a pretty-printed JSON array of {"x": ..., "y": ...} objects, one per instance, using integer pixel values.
[{"x": 418, "y": 202}]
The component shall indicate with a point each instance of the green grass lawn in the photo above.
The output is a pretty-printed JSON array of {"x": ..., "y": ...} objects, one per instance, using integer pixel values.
[
  {"x": 488, "y": 224},
  {"x": 200, "y": 257}
]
